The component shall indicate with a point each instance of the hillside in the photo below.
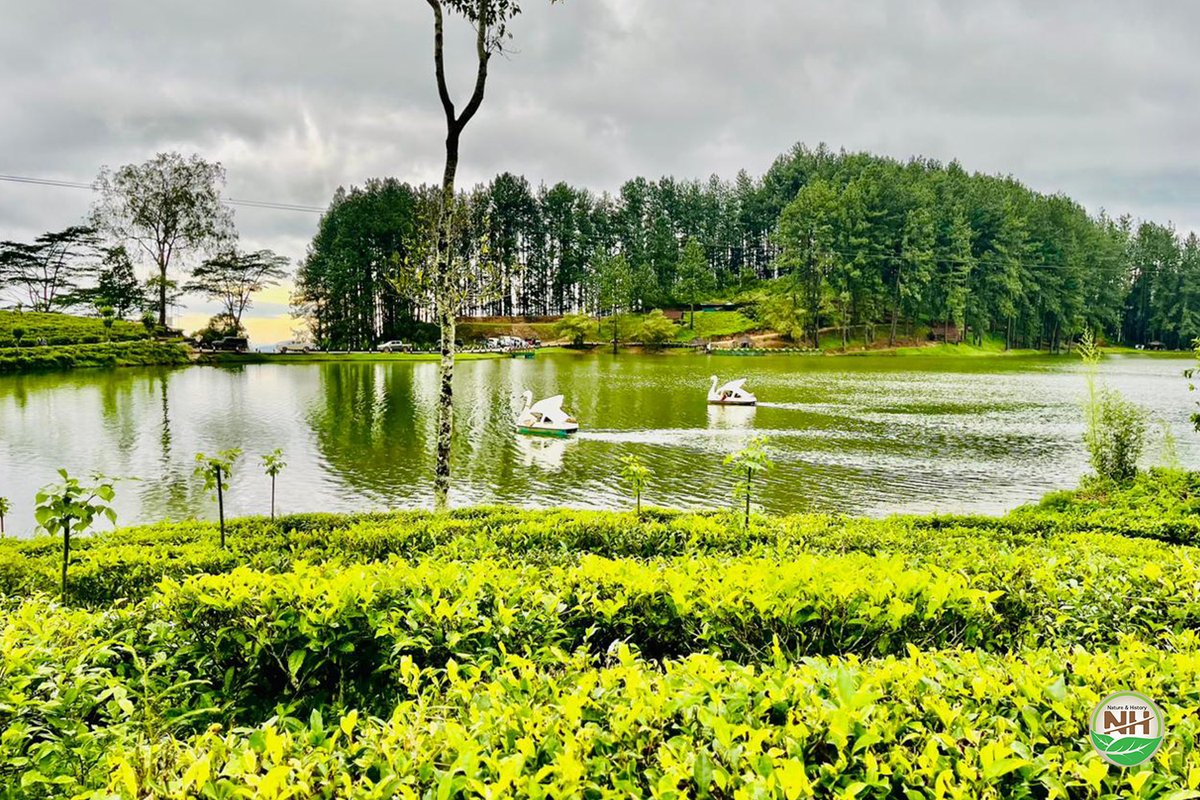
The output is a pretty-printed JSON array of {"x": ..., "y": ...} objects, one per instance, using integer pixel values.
[{"x": 63, "y": 329}]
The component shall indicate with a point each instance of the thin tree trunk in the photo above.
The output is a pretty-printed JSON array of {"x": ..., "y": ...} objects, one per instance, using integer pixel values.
[
  {"x": 445, "y": 415},
  {"x": 221, "y": 505},
  {"x": 162, "y": 293},
  {"x": 272, "y": 498},
  {"x": 614, "y": 326},
  {"x": 444, "y": 280},
  {"x": 66, "y": 554},
  {"x": 749, "y": 477}
]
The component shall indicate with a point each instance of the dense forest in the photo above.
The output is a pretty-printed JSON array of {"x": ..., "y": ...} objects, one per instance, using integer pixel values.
[{"x": 823, "y": 240}]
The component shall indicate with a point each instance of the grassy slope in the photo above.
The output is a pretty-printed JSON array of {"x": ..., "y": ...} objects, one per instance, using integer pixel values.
[
  {"x": 715, "y": 324},
  {"x": 63, "y": 329},
  {"x": 470, "y": 332},
  {"x": 709, "y": 324}
]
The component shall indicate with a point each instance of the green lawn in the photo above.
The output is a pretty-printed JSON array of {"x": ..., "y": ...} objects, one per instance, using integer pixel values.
[{"x": 714, "y": 324}]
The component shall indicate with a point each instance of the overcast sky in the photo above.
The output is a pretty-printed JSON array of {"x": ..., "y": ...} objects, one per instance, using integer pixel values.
[{"x": 1100, "y": 100}]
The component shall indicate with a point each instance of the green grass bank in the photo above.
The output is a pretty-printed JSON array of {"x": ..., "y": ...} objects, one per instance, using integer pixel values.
[{"x": 140, "y": 353}]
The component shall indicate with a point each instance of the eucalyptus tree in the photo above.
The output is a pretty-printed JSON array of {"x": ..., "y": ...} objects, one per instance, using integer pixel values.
[
  {"x": 166, "y": 207},
  {"x": 490, "y": 20}
]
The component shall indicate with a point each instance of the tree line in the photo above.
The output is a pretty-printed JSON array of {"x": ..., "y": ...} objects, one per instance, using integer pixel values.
[
  {"x": 159, "y": 213},
  {"x": 849, "y": 241}
]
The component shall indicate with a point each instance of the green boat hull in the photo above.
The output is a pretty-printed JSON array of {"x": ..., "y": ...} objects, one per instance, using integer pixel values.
[{"x": 543, "y": 432}]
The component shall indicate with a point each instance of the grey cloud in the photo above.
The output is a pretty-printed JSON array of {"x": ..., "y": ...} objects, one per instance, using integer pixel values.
[{"x": 1099, "y": 99}]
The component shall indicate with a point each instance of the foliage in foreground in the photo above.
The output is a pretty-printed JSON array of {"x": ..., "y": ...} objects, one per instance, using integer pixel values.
[
  {"x": 498, "y": 652},
  {"x": 948, "y": 724}
]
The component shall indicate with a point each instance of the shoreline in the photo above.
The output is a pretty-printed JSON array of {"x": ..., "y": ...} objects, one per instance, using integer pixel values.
[{"x": 144, "y": 353}]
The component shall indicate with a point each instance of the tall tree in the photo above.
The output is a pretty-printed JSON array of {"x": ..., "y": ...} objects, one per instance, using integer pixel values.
[
  {"x": 615, "y": 281},
  {"x": 806, "y": 239},
  {"x": 47, "y": 271},
  {"x": 343, "y": 286},
  {"x": 695, "y": 281},
  {"x": 490, "y": 19},
  {"x": 117, "y": 286},
  {"x": 168, "y": 207},
  {"x": 233, "y": 277}
]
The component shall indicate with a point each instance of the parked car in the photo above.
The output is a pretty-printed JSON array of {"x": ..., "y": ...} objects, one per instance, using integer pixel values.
[
  {"x": 395, "y": 346},
  {"x": 232, "y": 344},
  {"x": 294, "y": 347}
]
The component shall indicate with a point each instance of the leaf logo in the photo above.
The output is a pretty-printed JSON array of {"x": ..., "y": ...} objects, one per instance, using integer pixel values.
[{"x": 1126, "y": 729}]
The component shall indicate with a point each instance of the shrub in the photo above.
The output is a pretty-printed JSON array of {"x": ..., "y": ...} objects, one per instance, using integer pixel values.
[
  {"x": 1117, "y": 436},
  {"x": 500, "y": 652},
  {"x": 1116, "y": 428},
  {"x": 575, "y": 328},
  {"x": 657, "y": 329}
]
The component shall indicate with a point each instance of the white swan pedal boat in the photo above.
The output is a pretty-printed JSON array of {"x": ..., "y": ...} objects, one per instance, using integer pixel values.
[
  {"x": 545, "y": 417},
  {"x": 731, "y": 394}
]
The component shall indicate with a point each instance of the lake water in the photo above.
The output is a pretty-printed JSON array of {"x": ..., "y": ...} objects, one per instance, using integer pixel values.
[{"x": 859, "y": 435}]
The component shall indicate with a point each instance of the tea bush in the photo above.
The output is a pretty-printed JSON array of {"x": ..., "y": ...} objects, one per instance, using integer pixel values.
[
  {"x": 64, "y": 329},
  {"x": 923, "y": 724},
  {"x": 126, "y": 564},
  {"x": 116, "y": 354},
  {"x": 497, "y": 652}
]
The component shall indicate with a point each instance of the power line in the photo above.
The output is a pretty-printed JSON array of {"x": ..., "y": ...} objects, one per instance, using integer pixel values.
[{"x": 92, "y": 187}]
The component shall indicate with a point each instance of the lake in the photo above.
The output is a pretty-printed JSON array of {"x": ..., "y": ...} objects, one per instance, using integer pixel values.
[{"x": 869, "y": 435}]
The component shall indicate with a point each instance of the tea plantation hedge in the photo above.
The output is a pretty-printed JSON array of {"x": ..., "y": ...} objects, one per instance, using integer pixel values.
[
  {"x": 114, "y": 354},
  {"x": 495, "y": 652},
  {"x": 58, "y": 329}
]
